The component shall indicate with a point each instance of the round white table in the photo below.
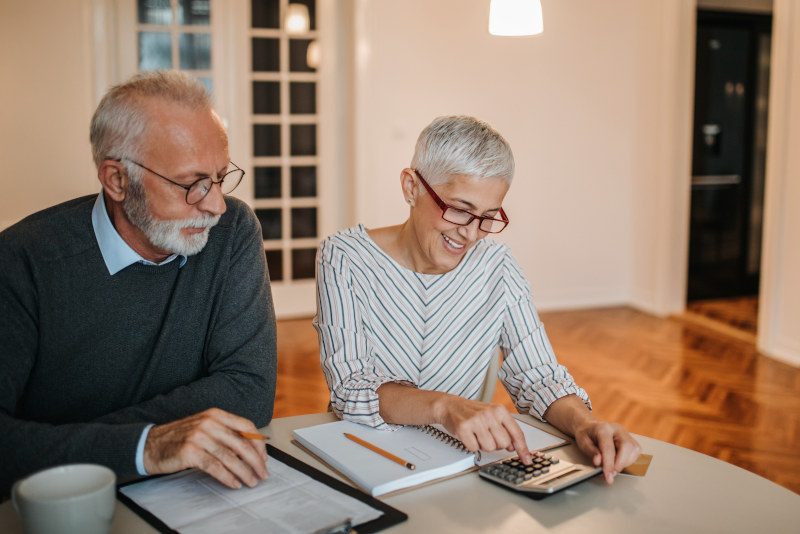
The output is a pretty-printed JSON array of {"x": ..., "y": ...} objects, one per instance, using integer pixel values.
[{"x": 683, "y": 491}]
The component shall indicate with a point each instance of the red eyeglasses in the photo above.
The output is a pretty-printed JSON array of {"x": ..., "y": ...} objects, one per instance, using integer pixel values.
[{"x": 463, "y": 218}]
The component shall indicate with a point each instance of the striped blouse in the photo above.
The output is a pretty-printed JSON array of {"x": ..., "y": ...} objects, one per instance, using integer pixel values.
[{"x": 379, "y": 322}]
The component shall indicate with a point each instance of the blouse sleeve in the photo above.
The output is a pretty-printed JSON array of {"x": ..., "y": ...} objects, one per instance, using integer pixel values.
[
  {"x": 530, "y": 371},
  {"x": 346, "y": 352}
]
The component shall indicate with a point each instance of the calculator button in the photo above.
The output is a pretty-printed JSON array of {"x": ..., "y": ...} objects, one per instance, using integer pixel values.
[
  {"x": 554, "y": 461},
  {"x": 528, "y": 476},
  {"x": 518, "y": 480},
  {"x": 529, "y": 469},
  {"x": 546, "y": 462},
  {"x": 514, "y": 464},
  {"x": 537, "y": 472},
  {"x": 537, "y": 465}
]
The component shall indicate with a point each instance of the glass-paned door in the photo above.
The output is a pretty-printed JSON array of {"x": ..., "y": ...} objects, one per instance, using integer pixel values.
[
  {"x": 175, "y": 34},
  {"x": 265, "y": 75},
  {"x": 284, "y": 115}
]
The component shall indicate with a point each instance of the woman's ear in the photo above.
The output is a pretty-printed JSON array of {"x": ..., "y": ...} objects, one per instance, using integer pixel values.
[
  {"x": 113, "y": 178},
  {"x": 408, "y": 182}
]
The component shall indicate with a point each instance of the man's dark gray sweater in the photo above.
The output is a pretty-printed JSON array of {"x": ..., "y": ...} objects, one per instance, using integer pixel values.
[{"x": 88, "y": 359}]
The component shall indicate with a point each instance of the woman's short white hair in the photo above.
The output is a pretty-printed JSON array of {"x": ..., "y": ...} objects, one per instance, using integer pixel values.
[
  {"x": 120, "y": 121},
  {"x": 459, "y": 144}
]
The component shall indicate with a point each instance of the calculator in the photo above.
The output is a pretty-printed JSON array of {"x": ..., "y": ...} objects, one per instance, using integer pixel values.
[{"x": 546, "y": 475}]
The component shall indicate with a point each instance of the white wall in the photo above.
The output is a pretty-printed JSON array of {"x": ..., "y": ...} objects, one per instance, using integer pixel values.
[
  {"x": 595, "y": 108},
  {"x": 46, "y": 95},
  {"x": 578, "y": 104},
  {"x": 779, "y": 307},
  {"x": 598, "y": 111}
]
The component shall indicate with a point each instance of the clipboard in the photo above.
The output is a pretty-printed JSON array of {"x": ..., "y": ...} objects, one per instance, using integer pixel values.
[{"x": 390, "y": 517}]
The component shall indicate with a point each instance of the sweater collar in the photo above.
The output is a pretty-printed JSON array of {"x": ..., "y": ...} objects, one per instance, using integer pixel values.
[{"x": 117, "y": 254}]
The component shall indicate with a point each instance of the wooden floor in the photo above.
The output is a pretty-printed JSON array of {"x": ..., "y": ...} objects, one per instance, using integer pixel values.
[
  {"x": 668, "y": 379},
  {"x": 738, "y": 312}
]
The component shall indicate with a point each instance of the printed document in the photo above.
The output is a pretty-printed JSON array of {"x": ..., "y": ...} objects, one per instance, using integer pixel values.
[{"x": 288, "y": 501}]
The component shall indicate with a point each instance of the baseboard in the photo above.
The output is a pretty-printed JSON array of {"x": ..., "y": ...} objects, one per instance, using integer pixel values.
[
  {"x": 579, "y": 299},
  {"x": 295, "y": 299},
  {"x": 645, "y": 305},
  {"x": 785, "y": 350}
]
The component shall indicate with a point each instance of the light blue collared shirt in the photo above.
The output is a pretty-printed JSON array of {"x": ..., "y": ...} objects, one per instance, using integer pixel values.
[{"x": 117, "y": 255}]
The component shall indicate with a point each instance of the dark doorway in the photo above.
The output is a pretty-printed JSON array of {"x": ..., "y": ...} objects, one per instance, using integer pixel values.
[{"x": 729, "y": 153}]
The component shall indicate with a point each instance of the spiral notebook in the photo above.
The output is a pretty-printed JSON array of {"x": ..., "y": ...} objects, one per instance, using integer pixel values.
[{"x": 435, "y": 453}]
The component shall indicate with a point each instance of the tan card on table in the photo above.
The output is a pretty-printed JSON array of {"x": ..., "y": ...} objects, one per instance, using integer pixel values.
[{"x": 639, "y": 467}]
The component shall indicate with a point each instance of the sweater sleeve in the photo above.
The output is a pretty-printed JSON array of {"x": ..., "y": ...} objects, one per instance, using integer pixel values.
[
  {"x": 241, "y": 351},
  {"x": 346, "y": 353},
  {"x": 530, "y": 372},
  {"x": 28, "y": 446}
]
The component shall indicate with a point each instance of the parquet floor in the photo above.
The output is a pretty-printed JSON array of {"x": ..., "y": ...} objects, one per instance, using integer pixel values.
[
  {"x": 737, "y": 312},
  {"x": 664, "y": 378}
]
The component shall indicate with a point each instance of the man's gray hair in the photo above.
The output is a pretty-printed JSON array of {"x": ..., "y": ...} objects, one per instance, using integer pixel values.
[
  {"x": 459, "y": 144},
  {"x": 120, "y": 121}
]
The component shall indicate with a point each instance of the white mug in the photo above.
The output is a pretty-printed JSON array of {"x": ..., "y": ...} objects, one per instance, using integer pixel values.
[{"x": 76, "y": 498}]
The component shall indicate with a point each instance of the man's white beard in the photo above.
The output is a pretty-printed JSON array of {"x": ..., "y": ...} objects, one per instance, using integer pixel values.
[{"x": 166, "y": 235}]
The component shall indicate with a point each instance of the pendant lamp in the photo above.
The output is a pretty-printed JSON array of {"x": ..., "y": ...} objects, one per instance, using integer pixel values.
[{"x": 515, "y": 17}]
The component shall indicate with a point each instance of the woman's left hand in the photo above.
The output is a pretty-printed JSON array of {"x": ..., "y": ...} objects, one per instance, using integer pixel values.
[{"x": 607, "y": 444}]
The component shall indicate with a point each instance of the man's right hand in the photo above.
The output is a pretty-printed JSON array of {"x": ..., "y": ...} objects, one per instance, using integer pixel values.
[{"x": 209, "y": 441}]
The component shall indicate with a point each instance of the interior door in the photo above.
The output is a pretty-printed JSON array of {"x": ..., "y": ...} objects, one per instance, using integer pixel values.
[{"x": 731, "y": 87}]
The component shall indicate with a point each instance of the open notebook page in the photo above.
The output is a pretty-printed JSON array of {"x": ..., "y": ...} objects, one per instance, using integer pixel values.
[{"x": 377, "y": 475}]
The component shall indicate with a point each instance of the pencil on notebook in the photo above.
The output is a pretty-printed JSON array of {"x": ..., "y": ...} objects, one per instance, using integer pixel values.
[
  {"x": 253, "y": 435},
  {"x": 375, "y": 448}
]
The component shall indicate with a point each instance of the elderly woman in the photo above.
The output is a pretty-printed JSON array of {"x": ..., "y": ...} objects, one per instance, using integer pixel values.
[{"x": 410, "y": 316}]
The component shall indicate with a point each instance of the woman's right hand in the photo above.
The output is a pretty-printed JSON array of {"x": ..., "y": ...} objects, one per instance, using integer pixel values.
[{"x": 478, "y": 425}]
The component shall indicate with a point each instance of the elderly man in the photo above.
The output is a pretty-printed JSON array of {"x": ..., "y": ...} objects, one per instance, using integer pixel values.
[{"x": 136, "y": 326}]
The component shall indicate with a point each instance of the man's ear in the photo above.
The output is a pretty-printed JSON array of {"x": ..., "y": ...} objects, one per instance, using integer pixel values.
[
  {"x": 113, "y": 178},
  {"x": 408, "y": 182}
]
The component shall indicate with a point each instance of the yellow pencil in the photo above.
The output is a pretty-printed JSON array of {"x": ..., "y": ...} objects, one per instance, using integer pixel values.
[
  {"x": 253, "y": 435},
  {"x": 375, "y": 448}
]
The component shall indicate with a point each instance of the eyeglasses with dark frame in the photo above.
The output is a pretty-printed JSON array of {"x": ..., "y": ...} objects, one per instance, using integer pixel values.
[
  {"x": 461, "y": 217},
  {"x": 199, "y": 189}
]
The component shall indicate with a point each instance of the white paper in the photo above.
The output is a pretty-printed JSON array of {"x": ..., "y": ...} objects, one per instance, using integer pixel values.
[{"x": 288, "y": 501}]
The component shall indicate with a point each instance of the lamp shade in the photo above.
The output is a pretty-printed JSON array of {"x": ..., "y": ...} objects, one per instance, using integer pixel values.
[
  {"x": 515, "y": 17},
  {"x": 313, "y": 55},
  {"x": 297, "y": 19}
]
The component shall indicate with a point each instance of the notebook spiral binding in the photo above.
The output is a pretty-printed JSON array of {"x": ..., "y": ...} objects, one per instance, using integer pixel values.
[{"x": 449, "y": 440}]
